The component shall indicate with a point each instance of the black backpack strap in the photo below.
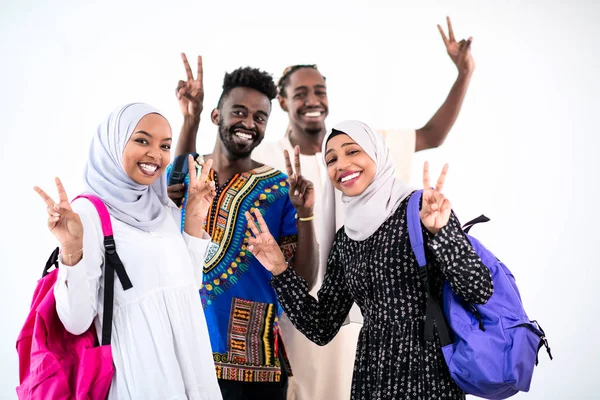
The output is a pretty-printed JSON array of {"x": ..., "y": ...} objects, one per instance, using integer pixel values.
[
  {"x": 112, "y": 265},
  {"x": 433, "y": 314},
  {"x": 481, "y": 219},
  {"x": 52, "y": 262},
  {"x": 180, "y": 168}
]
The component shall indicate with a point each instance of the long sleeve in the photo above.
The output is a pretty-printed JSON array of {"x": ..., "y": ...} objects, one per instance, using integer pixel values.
[
  {"x": 76, "y": 288},
  {"x": 197, "y": 247},
  {"x": 319, "y": 320},
  {"x": 459, "y": 263}
]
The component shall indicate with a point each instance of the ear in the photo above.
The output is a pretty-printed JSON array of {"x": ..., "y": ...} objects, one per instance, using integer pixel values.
[
  {"x": 282, "y": 102},
  {"x": 215, "y": 116}
]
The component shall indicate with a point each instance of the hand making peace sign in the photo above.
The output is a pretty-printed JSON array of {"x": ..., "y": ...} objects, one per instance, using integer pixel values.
[
  {"x": 63, "y": 222},
  {"x": 263, "y": 245},
  {"x": 460, "y": 52},
  {"x": 190, "y": 93},
  {"x": 436, "y": 208},
  {"x": 201, "y": 191},
  {"x": 302, "y": 191}
]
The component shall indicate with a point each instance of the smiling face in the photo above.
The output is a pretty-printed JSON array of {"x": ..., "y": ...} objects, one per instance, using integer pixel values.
[
  {"x": 148, "y": 151},
  {"x": 242, "y": 120},
  {"x": 349, "y": 167},
  {"x": 305, "y": 100}
]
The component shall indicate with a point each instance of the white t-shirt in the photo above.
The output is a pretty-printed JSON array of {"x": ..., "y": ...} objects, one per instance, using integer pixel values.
[{"x": 325, "y": 373}]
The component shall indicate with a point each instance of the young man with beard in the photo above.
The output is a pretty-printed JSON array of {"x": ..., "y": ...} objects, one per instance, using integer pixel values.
[
  {"x": 240, "y": 305},
  {"x": 325, "y": 373}
]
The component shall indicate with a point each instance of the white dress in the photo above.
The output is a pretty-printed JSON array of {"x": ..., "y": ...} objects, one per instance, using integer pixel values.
[{"x": 160, "y": 344}]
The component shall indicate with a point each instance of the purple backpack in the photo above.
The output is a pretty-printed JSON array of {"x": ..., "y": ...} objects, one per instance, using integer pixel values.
[{"x": 491, "y": 349}]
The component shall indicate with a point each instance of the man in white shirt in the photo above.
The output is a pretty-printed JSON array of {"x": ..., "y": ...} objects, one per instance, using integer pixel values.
[{"x": 325, "y": 373}]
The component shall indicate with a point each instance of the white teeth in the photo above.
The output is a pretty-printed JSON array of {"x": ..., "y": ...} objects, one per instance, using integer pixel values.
[
  {"x": 149, "y": 168},
  {"x": 350, "y": 177},
  {"x": 243, "y": 135},
  {"x": 313, "y": 114}
]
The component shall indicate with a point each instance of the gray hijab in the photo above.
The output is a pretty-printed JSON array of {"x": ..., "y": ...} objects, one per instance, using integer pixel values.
[
  {"x": 143, "y": 207},
  {"x": 365, "y": 213}
]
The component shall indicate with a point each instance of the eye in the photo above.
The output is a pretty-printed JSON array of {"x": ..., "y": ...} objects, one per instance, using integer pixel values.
[
  {"x": 298, "y": 96},
  {"x": 141, "y": 141},
  {"x": 262, "y": 120},
  {"x": 353, "y": 152},
  {"x": 166, "y": 147},
  {"x": 238, "y": 113},
  {"x": 331, "y": 161},
  {"x": 321, "y": 93}
]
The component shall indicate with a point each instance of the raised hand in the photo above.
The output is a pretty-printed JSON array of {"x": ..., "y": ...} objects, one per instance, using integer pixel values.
[
  {"x": 436, "y": 208},
  {"x": 64, "y": 224},
  {"x": 302, "y": 191},
  {"x": 262, "y": 244},
  {"x": 201, "y": 192},
  {"x": 190, "y": 93},
  {"x": 460, "y": 52}
]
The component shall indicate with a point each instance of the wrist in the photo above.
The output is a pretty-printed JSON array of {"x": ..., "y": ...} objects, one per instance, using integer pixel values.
[
  {"x": 304, "y": 213},
  {"x": 192, "y": 118},
  {"x": 193, "y": 225},
  {"x": 465, "y": 73},
  {"x": 280, "y": 269}
]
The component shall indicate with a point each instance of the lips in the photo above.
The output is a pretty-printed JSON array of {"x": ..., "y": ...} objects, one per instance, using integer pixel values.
[
  {"x": 349, "y": 178},
  {"x": 148, "y": 169},
  {"x": 313, "y": 113},
  {"x": 244, "y": 134}
]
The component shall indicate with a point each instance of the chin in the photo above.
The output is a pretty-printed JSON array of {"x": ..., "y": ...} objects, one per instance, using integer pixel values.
[{"x": 145, "y": 180}]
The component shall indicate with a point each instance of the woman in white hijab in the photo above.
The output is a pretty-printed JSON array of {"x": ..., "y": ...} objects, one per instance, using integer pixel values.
[
  {"x": 372, "y": 263},
  {"x": 160, "y": 343}
]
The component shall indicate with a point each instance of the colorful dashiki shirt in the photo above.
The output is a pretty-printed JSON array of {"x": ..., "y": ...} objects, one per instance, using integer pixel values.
[{"x": 240, "y": 306}]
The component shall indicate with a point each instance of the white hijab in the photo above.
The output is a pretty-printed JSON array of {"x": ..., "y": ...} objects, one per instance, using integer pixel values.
[
  {"x": 141, "y": 206},
  {"x": 365, "y": 213}
]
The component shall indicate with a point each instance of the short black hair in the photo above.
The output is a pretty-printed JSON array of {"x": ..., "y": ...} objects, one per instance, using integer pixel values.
[
  {"x": 287, "y": 74},
  {"x": 248, "y": 77}
]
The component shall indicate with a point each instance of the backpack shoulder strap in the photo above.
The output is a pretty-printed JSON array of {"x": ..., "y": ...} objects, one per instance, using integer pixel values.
[
  {"x": 415, "y": 235},
  {"x": 102, "y": 212},
  {"x": 112, "y": 264}
]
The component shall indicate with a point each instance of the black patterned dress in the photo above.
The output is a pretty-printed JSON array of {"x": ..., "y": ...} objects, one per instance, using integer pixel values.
[{"x": 381, "y": 275}]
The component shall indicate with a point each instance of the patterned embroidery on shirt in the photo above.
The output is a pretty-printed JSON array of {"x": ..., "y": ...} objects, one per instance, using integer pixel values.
[
  {"x": 253, "y": 334},
  {"x": 227, "y": 258}
]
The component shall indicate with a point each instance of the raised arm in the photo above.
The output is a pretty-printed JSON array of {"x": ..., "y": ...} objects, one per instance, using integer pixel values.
[
  {"x": 437, "y": 128},
  {"x": 302, "y": 197},
  {"x": 190, "y": 94}
]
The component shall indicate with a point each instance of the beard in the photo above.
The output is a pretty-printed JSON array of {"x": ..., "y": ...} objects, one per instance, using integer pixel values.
[{"x": 234, "y": 150}]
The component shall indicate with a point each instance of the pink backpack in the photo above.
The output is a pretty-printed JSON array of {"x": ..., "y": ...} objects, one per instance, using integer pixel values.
[{"x": 53, "y": 363}]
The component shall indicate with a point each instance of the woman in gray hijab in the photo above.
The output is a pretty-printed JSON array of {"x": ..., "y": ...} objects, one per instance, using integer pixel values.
[
  {"x": 372, "y": 263},
  {"x": 160, "y": 344}
]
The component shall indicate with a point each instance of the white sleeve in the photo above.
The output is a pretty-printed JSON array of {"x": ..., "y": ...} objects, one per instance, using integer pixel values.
[
  {"x": 197, "y": 247},
  {"x": 76, "y": 288},
  {"x": 402, "y": 143}
]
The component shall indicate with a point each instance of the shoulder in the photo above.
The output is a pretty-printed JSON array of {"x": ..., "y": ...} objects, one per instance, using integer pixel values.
[
  {"x": 88, "y": 214},
  {"x": 266, "y": 150},
  {"x": 266, "y": 172}
]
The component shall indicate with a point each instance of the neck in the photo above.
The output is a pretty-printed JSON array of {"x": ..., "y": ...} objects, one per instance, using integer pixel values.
[
  {"x": 309, "y": 143},
  {"x": 225, "y": 166}
]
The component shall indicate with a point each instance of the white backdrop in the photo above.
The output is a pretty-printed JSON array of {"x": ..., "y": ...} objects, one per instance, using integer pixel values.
[{"x": 524, "y": 150}]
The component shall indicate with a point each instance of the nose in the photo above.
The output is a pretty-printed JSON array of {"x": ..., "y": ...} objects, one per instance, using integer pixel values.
[
  {"x": 154, "y": 154},
  {"x": 311, "y": 99},
  {"x": 248, "y": 122},
  {"x": 342, "y": 164}
]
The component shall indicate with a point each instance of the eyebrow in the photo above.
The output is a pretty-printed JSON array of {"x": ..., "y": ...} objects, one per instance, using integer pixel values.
[
  {"x": 318, "y": 86},
  {"x": 149, "y": 135},
  {"x": 246, "y": 109},
  {"x": 344, "y": 145}
]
